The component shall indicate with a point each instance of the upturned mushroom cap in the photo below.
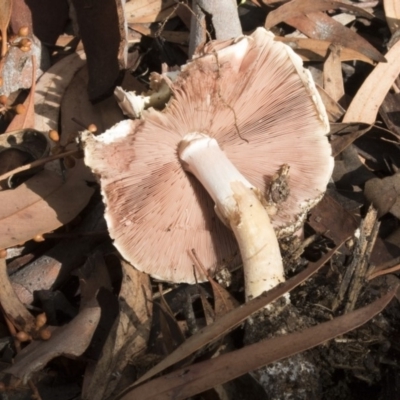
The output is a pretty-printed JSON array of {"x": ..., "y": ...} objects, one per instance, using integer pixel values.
[{"x": 254, "y": 97}]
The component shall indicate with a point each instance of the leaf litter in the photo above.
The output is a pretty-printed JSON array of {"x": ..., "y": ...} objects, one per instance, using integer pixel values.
[{"x": 118, "y": 328}]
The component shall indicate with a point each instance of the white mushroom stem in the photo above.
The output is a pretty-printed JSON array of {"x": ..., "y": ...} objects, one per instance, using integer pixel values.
[{"x": 238, "y": 205}]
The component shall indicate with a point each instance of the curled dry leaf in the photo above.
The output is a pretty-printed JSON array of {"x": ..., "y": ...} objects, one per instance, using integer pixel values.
[
  {"x": 234, "y": 318},
  {"x": 300, "y": 7},
  {"x": 318, "y": 25},
  {"x": 128, "y": 336},
  {"x": 317, "y": 50},
  {"x": 70, "y": 340},
  {"x": 41, "y": 204},
  {"x": 10, "y": 303},
  {"x": 189, "y": 381},
  {"x": 344, "y": 134},
  {"x": 365, "y": 104},
  {"x": 392, "y": 14},
  {"x": 334, "y": 110}
]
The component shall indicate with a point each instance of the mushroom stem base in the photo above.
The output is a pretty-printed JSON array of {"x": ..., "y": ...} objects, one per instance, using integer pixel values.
[
  {"x": 238, "y": 205},
  {"x": 259, "y": 248}
]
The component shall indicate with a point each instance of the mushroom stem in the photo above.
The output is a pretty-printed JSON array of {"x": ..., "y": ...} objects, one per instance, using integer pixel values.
[{"x": 238, "y": 205}]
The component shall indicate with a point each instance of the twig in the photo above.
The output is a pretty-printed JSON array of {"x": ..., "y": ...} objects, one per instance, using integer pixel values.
[
  {"x": 38, "y": 163},
  {"x": 386, "y": 271},
  {"x": 355, "y": 276}
]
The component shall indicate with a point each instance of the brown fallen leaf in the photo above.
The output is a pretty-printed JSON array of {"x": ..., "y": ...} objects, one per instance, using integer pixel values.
[
  {"x": 392, "y": 14},
  {"x": 149, "y": 11},
  {"x": 299, "y": 7},
  {"x": 365, "y": 104},
  {"x": 333, "y": 78},
  {"x": 54, "y": 267},
  {"x": 41, "y": 204},
  {"x": 76, "y": 104},
  {"x": 93, "y": 275},
  {"x": 22, "y": 319},
  {"x": 318, "y": 25},
  {"x": 330, "y": 219},
  {"x": 128, "y": 336},
  {"x": 169, "y": 36},
  {"x": 70, "y": 340},
  {"x": 317, "y": 50},
  {"x": 189, "y": 381},
  {"x": 223, "y": 300},
  {"x": 334, "y": 110},
  {"x": 384, "y": 194},
  {"x": 390, "y": 112},
  {"x": 50, "y": 89},
  {"x": 344, "y": 134},
  {"x": 233, "y": 319}
]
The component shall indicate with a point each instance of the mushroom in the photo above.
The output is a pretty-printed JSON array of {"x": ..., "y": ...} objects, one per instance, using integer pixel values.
[{"x": 242, "y": 114}]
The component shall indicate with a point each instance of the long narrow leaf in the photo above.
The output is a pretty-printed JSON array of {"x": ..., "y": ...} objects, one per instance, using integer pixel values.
[{"x": 195, "y": 379}]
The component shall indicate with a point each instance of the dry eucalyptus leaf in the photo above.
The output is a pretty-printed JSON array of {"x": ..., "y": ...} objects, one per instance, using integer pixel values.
[
  {"x": 128, "y": 336},
  {"x": 41, "y": 204},
  {"x": 333, "y": 78},
  {"x": 330, "y": 219},
  {"x": 10, "y": 303},
  {"x": 170, "y": 36},
  {"x": 317, "y": 50},
  {"x": 390, "y": 112},
  {"x": 76, "y": 104},
  {"x": 384, "y": 194},
  {"x": 334, "y": 110},
  {"x": 365, "y": 104},
  {"x": 301, "y": 7},
  {"x": 318, "y": 25},
  {"x": 70, "y": 340},
  {"x": 50, "y": 89},
  {"x": 344, "y": 134},
  {"x": 93, "y": 275},
  {"x": 392, "y": 14},
  {"x": 148, "y": 11},
  {"x": 197, "y": 378}
]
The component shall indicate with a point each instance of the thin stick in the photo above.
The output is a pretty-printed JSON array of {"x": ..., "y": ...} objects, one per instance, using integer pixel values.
[
  {"x": 37, "y": 163},
  {"x": 375, "y": 274}
]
